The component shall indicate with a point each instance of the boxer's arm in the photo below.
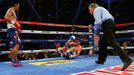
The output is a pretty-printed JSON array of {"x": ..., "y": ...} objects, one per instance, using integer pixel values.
[
  {"x": 10, "y": 15},
  {"x": 71, "y": 43}
]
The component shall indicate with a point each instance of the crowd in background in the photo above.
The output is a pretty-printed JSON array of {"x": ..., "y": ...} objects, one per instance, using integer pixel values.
[{"x": 86, "y": 41}]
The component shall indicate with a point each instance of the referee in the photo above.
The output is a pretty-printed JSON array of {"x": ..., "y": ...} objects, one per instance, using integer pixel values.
[{"x": 104, "y": 21}]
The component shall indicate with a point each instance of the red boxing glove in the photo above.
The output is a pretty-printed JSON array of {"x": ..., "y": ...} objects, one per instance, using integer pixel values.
[
  {"x": 19, "y": 31},
  {"x": 57, "y": 45},
  {"x": 65, "y": 48},
  {"x": 17, "y": 25}
]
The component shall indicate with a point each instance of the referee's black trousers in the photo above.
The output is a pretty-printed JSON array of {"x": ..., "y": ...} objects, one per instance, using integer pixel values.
[{"x": 107, "y": 39}]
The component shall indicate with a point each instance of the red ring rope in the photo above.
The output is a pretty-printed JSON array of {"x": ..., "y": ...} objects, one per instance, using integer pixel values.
[{"x": 63, "y": 25}]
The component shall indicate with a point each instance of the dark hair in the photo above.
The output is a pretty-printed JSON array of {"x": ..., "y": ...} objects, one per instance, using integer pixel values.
[{"x": 14, "y": 3}]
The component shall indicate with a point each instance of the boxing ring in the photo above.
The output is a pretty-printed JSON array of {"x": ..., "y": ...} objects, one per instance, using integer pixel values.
[{"x": 82, "y": 65}]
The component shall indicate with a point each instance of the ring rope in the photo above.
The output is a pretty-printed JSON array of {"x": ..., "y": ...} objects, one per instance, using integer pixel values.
[
  {"x": 52, "y": 50},
  {"x": 41, "y": 40},
  {"x": 63, "y": 25},
  {"x": 60, "y": 32}
]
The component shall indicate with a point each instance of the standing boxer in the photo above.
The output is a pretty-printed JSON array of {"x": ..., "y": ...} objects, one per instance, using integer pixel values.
[{"x": 13, "y": 31}]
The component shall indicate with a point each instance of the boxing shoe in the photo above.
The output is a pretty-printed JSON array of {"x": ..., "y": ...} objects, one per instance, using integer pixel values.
[
  {"x": 99, "y": 62},
  {"x": 15, "y": 63},
  {"x": 126, "y": 64}
]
